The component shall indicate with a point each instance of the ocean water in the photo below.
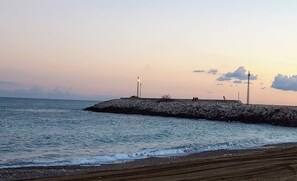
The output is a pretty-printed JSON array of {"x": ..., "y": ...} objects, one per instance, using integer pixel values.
[{"x": 38, "y": 132}]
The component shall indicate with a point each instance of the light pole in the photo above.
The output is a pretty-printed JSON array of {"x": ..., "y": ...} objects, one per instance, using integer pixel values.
[
  {"x": 248, "y": 90},
  {"x": 140, "y": 90},
  {"x": 138, "y": 81}
]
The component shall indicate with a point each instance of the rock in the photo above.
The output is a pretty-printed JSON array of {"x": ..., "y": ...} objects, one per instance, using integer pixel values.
[{"x": 220, "y": 110}]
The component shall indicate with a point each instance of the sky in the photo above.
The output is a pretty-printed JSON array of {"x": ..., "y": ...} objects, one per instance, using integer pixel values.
[{"x": 95, "y": 49}]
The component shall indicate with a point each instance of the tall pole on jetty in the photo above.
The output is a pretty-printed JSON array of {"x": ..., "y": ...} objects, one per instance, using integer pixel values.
[
  {"x": 140, "y": 89},
  {"x": 138, "y": 82},
  {"x": 248, "y": 89}
]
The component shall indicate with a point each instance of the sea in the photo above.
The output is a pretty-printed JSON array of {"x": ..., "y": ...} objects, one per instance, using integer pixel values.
[{"x": 40, "y": 132}]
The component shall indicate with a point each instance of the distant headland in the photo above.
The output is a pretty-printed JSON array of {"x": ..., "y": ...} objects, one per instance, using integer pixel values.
[{"x": 220, "y": 110}]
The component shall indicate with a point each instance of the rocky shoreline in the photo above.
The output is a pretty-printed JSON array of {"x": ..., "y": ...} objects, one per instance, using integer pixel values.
[{"x": 219, "y": 110}]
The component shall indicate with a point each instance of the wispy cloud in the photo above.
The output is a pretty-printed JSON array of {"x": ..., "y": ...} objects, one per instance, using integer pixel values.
[
  {"x": 283, "y": 82},
  {"x": 213, "y": 71},
  {"x": 238, "y": 75},
  {"x": 198, "y": 71},
  {"x": 7, "y": 83},
  {"x": 210, "y": 71},
  {"x": 237, "y": 81},
  {"x": 57, "y": 93}
]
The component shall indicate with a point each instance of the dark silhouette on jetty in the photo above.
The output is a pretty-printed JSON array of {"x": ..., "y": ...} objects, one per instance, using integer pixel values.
[{"x": 219, "y": 110}]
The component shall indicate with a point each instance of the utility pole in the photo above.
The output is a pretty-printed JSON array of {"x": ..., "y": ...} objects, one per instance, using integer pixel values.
[
  {"x": 248, "y": 89},
  {"x": 140, "y": 90},
  {"x": 238, "y": 95},
  {"x": 137, "y": 89}
]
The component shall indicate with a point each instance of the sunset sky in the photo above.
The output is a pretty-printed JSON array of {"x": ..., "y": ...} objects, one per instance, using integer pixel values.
[{"x": 95, "y": 49}]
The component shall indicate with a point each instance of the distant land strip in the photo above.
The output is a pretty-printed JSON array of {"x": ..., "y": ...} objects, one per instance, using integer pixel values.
[{"x": 219, "y": 110}]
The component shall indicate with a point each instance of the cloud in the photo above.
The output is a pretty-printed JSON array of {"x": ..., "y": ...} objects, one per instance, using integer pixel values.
[
  {"x": 198, "y": 71},
  {"x": 283, "y": 82},
  {"x": 37, "y": 92},
  {"x": 220, "y": 84},
  {"x": 57, "y": 93},
  {"x": 7, "y": 83},
  {"x": 213, "y": 71},
  {"x": 210, "y": 71},
  {"x": 238, "y": 75},
  {"x": 237, "y": 81}
]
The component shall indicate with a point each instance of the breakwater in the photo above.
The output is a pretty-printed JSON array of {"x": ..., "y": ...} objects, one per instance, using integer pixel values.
[{"x": 220, "y": 110}]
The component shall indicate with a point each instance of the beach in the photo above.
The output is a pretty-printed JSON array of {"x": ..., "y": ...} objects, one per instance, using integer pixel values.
[
  {"x": 272, "y": 162},
  {"x": 57, "y": 140},
  {"x": 148, "y": 90}
]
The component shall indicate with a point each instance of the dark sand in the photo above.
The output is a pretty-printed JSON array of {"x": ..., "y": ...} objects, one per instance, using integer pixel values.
[{"x": 277, "y": 162}]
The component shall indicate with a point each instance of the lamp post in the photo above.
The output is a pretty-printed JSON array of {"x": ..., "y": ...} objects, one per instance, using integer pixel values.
[
  {"x": 138, "y": 82},
  {"x": 248, "y": 90},
  {"x": 140, "y": 90}
]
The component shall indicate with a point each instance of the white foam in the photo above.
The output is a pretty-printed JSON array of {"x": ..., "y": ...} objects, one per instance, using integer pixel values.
[
  {"x": 122, "y": 157},
  {"x": 147, "y": 153}
]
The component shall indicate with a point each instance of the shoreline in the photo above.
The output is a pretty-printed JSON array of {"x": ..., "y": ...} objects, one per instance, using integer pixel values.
[
  {"x": 219, "y": 110},
  {"x": 279, "y": 155}
]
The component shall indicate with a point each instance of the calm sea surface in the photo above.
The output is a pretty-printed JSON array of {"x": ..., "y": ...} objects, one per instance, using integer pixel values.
[{"x": 38, "y": 132}]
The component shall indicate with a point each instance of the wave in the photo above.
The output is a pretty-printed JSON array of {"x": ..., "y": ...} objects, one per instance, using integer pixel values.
[{"x": 141, "y": 154}]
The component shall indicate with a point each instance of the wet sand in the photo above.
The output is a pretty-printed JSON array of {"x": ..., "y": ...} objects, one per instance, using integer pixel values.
[{"x": 270, "y": 163}]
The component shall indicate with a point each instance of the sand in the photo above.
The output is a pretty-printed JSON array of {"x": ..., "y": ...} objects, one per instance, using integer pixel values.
[{"x": 275, "y": 162}]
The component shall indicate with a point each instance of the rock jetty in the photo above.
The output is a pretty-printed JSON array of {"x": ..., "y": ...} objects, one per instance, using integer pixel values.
[{"x": 220, "y": 110}]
